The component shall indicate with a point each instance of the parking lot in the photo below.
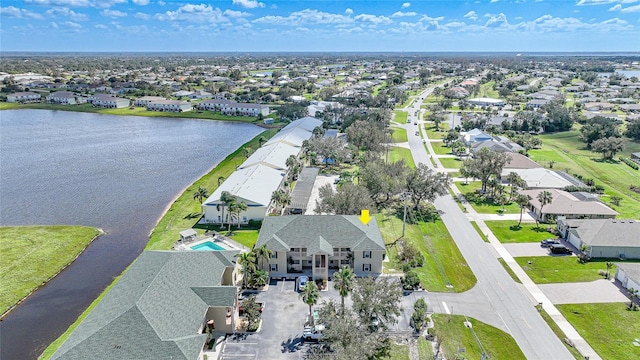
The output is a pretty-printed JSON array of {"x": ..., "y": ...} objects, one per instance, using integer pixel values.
[{"x": 283, "y": 317}]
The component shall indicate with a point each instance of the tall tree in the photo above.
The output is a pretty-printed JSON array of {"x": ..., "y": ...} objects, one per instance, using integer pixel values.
[
  {"x": 522, "y": 201},
  {"x": 598, "y": 127},
  {"x": 484, "y": 164},
  {"x": 608, "y": 147},
  {"x": 343, "y": 283},
  {"x": 424, "y": 183},
  {"x": 261, "y": 253},
  {"x": 225, "y": 198},
  {"x": 237, "y": 207},
  {"x": 633, "y": 129},
  {"x": 383, "y": 180},
  {"x": 310, "y": 296},
  {"x": 377, "y": 298},
  {"x": 545, "y": 198},
  {"x": 200, "y": 194},
  {"x": 247, "y": 263}
]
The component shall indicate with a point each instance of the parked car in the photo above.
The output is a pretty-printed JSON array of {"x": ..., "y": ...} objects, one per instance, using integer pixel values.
[
  {"x": 549, "y": 242},
  {"x": 415, "y": 123},
  {"x": 302, "y": 282},
  {"x": 313, "y": 333},
  {"x": 560, "y": 249},
  {"x": 417, "y": 133}
]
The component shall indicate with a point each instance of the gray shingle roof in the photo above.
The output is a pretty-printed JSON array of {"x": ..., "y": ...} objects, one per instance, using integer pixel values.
[
  {"x": 155, "y": 310},
  {"x": 320, "y": 232},
  {"x": 606, "y": 232}
]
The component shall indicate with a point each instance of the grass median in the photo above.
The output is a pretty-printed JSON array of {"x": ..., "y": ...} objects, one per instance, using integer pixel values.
[
  {"x": 455, "y": 336},
  {"x": 443, "y": 264},
  {"x": 563, "y": 269},
  {"x": 32, "y": 255},
  {"x": 510, "y": 232}
]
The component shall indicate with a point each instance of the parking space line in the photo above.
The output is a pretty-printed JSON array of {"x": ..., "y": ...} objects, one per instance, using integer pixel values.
[{"x": 446, "y": 308}]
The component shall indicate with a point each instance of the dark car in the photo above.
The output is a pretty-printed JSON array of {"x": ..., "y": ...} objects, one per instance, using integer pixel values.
[
  {"x": 559, "y": 249},
  {"x": 549, "y": 242}
]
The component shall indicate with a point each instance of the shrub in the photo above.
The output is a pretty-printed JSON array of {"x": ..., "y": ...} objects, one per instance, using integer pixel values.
[
  {"x": 628, "y": 161},
  {"x": 410, "y": 281},
  {"x": 411, "y": 256},
  {"x": 420, "y": 304}
]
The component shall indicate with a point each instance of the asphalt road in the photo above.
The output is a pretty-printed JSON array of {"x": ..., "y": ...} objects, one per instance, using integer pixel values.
[{"x": 505, "y": 297}]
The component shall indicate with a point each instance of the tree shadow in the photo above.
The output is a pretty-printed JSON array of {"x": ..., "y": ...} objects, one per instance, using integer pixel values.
[
  {"x": 292, "y": 344},
  {"x": 606, "y": 161},
  {"x": 192, "y": 216}
]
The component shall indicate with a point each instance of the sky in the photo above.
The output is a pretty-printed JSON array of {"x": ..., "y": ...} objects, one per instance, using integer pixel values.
[{"x": 320, "y": 25}]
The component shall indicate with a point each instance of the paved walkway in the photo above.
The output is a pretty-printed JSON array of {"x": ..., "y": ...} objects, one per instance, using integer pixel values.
[
  {"x": 599, "y": 291},
  {"x": 321, "y": 180}
]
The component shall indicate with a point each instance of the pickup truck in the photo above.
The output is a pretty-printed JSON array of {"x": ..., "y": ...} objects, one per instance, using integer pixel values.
[{"x": 313, "y": 333}]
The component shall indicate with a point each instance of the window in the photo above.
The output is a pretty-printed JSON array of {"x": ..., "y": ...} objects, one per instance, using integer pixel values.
[
  {"x": 344, "y": 262},
  {"x": 366, "y": 254},
  {"x": 296, "y": 262},
  {"x": 366, "y": 267},
  {"x": 344, "y": 249},
  {"x": 274, "y": 255},
  {"x": 273, "y": 267}
]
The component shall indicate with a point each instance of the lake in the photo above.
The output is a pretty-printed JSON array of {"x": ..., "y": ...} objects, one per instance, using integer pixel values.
[{"x": 117, "y": 173}]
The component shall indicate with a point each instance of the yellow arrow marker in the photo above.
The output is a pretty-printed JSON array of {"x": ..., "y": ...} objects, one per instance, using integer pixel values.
[{"x": 364, "y": 216}]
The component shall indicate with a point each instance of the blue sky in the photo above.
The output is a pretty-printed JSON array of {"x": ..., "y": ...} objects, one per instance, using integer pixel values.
[{"x": 320, "y": 25}]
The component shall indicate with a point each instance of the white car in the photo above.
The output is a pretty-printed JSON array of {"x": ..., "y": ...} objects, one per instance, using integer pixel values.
[
  {"x": 302, "y": 282},
  {"x": 313, "y": 333}
]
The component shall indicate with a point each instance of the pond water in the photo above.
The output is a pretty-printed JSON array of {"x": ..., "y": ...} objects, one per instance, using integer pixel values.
[{"x": 117, "y": 173}]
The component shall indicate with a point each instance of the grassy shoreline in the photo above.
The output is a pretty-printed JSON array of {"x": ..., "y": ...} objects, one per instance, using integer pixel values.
[{"x": 33, "y": 255}]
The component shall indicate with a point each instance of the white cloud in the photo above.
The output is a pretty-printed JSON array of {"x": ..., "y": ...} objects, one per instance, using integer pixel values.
[
  {"x": 471, "y": 15},
  {"x": 100, "y": 26},
  {"x": 248, "y": 4},
  {"x": 403, "y": 14},
  {"x": 113, "y": 13},
  {"x": 304, "y": 18},
  {"x": 373, "y": 19},
  {"x": 54, "y": 25},
  {"x": 162, "y": 3},
  {"x": 12, "y": 11},
  {"x": 141, "y": 2},
  {"x": 494, "y": 1},
  {"x": 72, "y": 25},
  {"x": 405, "y": 5},
  {"x": 497, "y": 21},
  {"x": 66, "y": 12},
  {"x": 77, "y": 3},
  {"x": 193, "y": 13},
  {"x": 142, "y": 16},
  {"x": 236, "y": 14},
  {"x": 616, "y": 7},
  {"x": 635, "y": 8},
  {"x": 349, "y": 11},
  {"x": 604, "y": 2}
]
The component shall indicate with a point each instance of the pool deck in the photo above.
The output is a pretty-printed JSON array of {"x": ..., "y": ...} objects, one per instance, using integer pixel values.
[{"x": 222, "y": 241}]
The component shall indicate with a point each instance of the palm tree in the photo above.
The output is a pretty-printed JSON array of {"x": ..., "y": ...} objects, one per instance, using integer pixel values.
[
  {"x": 261, "y": 141},
  {"x": 248, "y": 263},
  {"x": 310, "y": 296},
  {"x": 343, "y": 282},
  {"x": 633, "y": 294},
  {"x": 544, "y": 198},
  {"x": 200, "y": 194},
  {"x": 522, "y": 200},
  {"x": 609, "y": 266},
  {"x": 260, "y": 278},
  {"x": 239, "y": 208},
  {"x": 262, "y": 253},
  {"x": 220, "y": 180},
  {"x": 225, "y": 198}
]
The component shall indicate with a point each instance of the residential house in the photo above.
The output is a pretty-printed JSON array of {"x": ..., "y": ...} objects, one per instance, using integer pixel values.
[
  {"x": 537, "y": 103},
  {"x": 169, "y": 105},
  {"x": 497, "y": 144},
  {"x": 321, "y": 244},
  {"x": 541, "y": 178},
  {"x": 519, "y": 161},
  {"x": 23, "y": 97},
  {"x": 635, "y": 157},
  {"x": 108, "y": 101},
  {"x": 628, "y": 274},
  {"x": 144, "y": 100},
  {"x": 486, "y": 102},
  {"x": 234, "y": 108},
  {"x": 160, "y": 308},
  {"x": 65, "y": 97},
  {"x": 200, "y": 94},
  {"x": 474, "y": 136},
  {"x": 574, "y": 205},
  {"x": 603, "y": 238}
]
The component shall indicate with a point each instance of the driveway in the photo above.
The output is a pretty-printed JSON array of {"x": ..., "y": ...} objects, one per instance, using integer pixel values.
[
  {"x": 526, "y": 249},
  {"x": 599, "y": 291}
]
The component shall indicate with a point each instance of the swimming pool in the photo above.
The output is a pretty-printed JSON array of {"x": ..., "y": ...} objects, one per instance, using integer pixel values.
[{"x": 207, "y": 246}]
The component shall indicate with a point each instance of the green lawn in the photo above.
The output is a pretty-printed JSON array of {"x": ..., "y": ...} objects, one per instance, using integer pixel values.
[
  {"x": 451, "y": 163},
  {"x": 401, "y": 117},
  {"x": 497, "y": 343},
  {"x": 32, "y": 255},
  {"x": 398, "y": 135},
  {"x": 433, "y": 134},
  {"x": 609, "y": 328},
  {"x": 560, "y": 334},
  {"x": 425, "y": 351},
  {"x": 396, "y": 153},
  {"x": 247, "y": 238},
  {"x": 185, "y": 212},
  {"x": 509, "y": 232},
  {"x": 440, "y": 149},
  {"x": 569, "y": 153},
  {"x": 137, "y": 111},
  {"x": 482, "y": 235},
  {"x": 482, "y": 205},
  {"x": 398, "y": 352},
  {"x": 443, "y": 261},
  {"x": 562, "y": 269}
]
